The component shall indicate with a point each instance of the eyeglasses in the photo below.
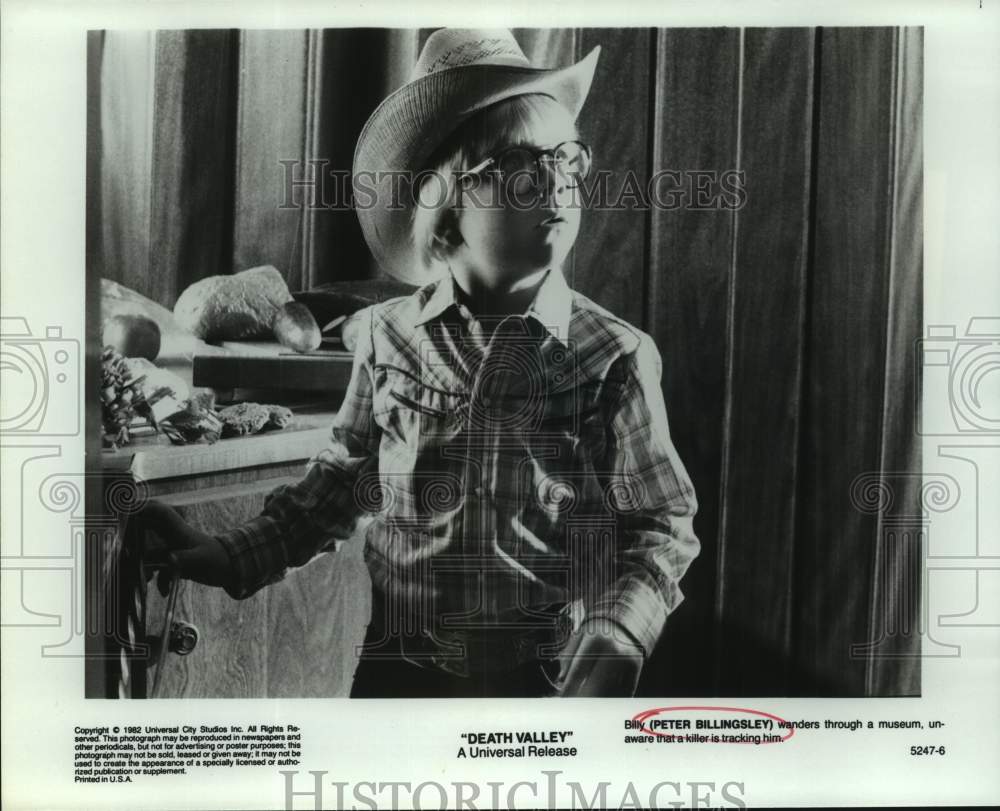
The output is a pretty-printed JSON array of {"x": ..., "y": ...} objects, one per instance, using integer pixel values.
[{"x": 570, "y": 159}]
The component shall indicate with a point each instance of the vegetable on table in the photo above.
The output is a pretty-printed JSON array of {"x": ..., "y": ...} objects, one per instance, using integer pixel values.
[
  {"x": 132, "y": 335},
  {"x": 295, "y": 327}
]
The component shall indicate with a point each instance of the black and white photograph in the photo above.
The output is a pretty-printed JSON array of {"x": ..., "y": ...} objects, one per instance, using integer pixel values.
[
  {"x": 500, "y": 363},
  {"x": 368, "y": 371}
]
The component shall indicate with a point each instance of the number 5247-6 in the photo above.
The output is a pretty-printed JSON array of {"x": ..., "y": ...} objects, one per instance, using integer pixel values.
[{"x": 926, "y": 750}]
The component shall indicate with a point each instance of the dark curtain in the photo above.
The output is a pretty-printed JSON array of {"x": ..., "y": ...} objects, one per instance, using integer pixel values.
[{"x": 785, "y": 326}]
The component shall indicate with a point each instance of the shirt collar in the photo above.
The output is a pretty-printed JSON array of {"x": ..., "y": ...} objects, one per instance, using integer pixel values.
[{"x": 551, "y": 307}]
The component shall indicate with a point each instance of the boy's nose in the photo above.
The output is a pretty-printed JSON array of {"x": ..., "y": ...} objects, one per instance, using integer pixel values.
[{"x": 550, "y": 181}]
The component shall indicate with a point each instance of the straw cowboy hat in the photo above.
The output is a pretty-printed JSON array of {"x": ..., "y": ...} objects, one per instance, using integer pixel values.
[{"x": 459, "y": 72}]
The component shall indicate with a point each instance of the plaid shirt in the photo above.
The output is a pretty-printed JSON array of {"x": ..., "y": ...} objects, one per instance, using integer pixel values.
[{"x": 519, "y": 474}]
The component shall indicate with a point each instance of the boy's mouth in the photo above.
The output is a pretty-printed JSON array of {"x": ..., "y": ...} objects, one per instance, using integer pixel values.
[{"x": 550, "y": 221}]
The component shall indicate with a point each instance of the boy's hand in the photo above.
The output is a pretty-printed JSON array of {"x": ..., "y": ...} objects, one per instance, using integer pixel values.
[
  {"x": 196, "y": 555},
  {"x": 601, "y": 661}
]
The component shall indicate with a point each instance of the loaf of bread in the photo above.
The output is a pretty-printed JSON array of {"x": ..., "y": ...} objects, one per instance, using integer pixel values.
[
  {"x": 349, "y": 329},
  {"x": 243, "y": 305}
]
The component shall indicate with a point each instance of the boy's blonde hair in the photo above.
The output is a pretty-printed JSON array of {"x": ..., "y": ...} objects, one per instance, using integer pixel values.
[{"x": 505, "y": 122}]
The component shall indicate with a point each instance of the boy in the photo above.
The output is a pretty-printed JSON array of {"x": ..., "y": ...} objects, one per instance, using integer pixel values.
[{"x": 532, "y": 518}]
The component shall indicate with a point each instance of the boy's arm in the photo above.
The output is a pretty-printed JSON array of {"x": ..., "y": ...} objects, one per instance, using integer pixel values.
[
  {"x": 302, "y": 519},
  {"x": 656, "y": 541}
]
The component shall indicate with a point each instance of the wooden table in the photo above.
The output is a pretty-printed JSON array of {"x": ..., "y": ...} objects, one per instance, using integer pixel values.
[{"x": 295, "y": 638}]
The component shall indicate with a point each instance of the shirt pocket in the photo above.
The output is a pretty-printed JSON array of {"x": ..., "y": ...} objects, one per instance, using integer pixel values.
[{"x": 413, "y": 413}]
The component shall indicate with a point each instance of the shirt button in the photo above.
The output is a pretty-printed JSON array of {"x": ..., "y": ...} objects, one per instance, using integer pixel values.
[{"x": 478, "y": 491}]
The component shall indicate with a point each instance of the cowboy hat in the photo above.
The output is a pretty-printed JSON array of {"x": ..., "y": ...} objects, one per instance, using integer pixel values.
[{"x": 459, "y": 72}]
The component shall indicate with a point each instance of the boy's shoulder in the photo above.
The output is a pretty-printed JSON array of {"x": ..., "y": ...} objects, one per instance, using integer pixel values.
[
  {"x": 398, "y": 316},
  {"x": 593, "y": 318},
  {"x": 408, "y": 307}
]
